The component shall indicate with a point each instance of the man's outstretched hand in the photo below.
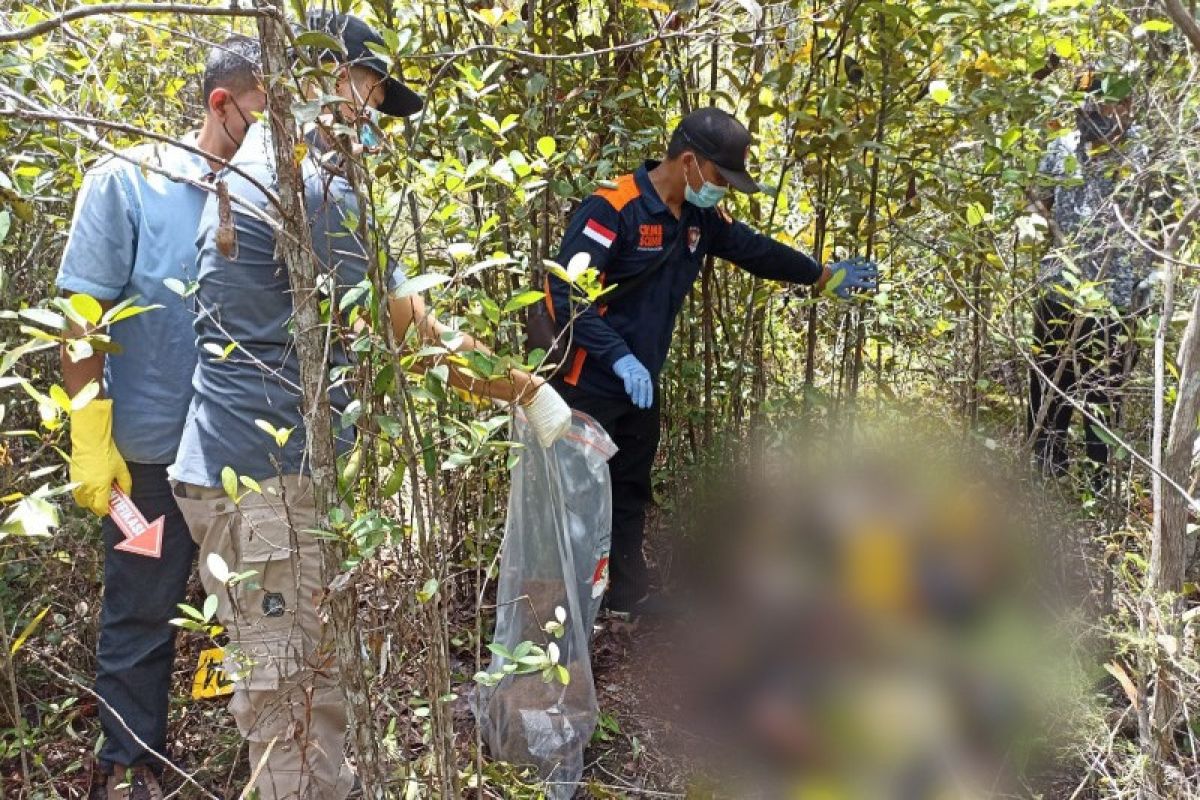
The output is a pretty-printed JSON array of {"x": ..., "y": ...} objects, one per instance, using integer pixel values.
[{"x": 852, "y": 276}]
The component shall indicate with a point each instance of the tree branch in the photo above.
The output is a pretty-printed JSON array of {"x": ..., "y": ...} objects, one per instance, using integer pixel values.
[
  {"x": 80, "y": 125},
  {"x": 45, "y": 26}
]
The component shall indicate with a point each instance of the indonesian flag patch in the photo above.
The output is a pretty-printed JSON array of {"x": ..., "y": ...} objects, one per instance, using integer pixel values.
[{"x": 598, "y": 233}]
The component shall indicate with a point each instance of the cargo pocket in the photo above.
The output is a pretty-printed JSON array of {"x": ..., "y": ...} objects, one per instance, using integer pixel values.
[
  {"x": 266, "y": 631},
  {"x": 208, "y": 521}
]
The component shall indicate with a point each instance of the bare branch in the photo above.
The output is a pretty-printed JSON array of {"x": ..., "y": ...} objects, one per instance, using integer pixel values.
[
  {"x": 1166, "y": 254},
  {"x": 75, "y": 123},
  {"x": 45, "y": 26}
]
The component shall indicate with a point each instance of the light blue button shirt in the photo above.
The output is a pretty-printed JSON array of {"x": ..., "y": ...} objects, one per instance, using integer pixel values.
[{"x": 132, "y": 230}]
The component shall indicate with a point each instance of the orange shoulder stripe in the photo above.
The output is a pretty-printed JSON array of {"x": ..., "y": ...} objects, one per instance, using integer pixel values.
[{"x": 625, "y": 190}]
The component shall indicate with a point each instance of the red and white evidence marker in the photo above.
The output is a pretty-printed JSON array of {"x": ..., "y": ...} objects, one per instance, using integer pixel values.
[{"x": 141, "y": 537}]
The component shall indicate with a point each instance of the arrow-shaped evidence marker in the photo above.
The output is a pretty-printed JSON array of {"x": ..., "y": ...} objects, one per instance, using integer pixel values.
[{"x": 141, "y": 537}]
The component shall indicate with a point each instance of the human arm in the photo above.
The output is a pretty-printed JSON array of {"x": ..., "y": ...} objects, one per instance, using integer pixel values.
[
  {"x": 97, "y": 261},
  {"x": 591, "y": 237}
]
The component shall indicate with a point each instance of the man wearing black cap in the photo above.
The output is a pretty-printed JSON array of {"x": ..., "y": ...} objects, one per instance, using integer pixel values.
[
  {"x": 649, "y": 235},
  {"x": 246, "y": 417}
]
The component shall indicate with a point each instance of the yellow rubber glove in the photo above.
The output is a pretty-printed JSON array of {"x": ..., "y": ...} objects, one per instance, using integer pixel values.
[{"x": 95, "y": 460}]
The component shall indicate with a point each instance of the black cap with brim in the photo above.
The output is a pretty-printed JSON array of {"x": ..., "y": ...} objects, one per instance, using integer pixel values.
[
  {"x": 724, "y": 141},
  {"x": 354, "y": 34},
  {"x": 739, "y": 179}
]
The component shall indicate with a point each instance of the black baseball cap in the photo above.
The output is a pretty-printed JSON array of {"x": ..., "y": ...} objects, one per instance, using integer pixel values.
[
  {"x": 723, "y": 140},
  {"x": 354, "y": 34}
]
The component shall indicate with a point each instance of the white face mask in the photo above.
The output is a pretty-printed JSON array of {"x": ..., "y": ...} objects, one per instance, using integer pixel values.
[{"x": 708, "y": 195}]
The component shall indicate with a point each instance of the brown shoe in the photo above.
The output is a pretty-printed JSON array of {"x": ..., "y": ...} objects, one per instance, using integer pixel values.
[{"x": 133, "y": 783}]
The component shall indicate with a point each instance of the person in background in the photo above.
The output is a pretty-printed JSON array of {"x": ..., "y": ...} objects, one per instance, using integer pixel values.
[
  {"x": 652, "y": 232},
  {"x": 135, "y": 228},
  {"x": 1094, "y": 282}
]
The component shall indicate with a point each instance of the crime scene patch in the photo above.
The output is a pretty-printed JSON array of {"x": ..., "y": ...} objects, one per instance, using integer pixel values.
[{"x": 651, "y": 237}]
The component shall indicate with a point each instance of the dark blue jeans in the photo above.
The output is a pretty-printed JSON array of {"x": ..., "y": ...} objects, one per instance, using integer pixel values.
[
  {"x": 136, "y": 654},
  {"x": 635, "y": 432}
]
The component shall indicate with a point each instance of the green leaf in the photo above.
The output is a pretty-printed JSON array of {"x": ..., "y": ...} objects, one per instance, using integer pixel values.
[
  {"x": 976, "y": 214},
  {"x": 191, "y": 611},
  {"x": 116, "y": 315},
  {"x": 503, "y": 171},
  {"x": 940, "y": 93},
  {"x": 355, "y": 294},
  {"x": 210, "y": 607},
  {"x": 419, "y": 283},
  {"x": 1149, "y": 26},
  {"x": 44, "y": 316},
  {"x": 320, "y": 40},
  {"x": 217, "y": 567},
  {"x": 32, "y": 516},
  {"x": 229, "y": 482},
  {"x": 5, "y": 225},
  {"x": 519, "y": 301},
  {"x": 87, "y": 307},
  {"x": 835, "y": 280},
  {"x": 60, "y": 397},
  {"x": 221, "y": 353},
  {"x": 427, "y": 591},
  {"x": 545, "y": 145},
  {"x": 1010, "y": 137},
  {"x": 1064, "y": 47},
  {"x": 85, "y": 395}
]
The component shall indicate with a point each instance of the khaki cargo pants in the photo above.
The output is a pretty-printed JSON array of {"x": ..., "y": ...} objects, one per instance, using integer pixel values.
[{"x": 287, "y": 701}]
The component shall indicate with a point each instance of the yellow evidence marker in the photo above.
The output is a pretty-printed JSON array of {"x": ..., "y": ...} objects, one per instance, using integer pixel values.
[{"x": 210, "y": 679}]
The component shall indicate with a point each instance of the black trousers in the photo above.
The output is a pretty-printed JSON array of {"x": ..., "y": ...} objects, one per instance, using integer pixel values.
[
  {"x": 136, "y": 653},
  {"x": 1088, "y": 359},
  {"x": 635, "y": 432}
]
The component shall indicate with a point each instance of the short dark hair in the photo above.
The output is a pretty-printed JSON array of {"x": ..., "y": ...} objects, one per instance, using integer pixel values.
[{"x": 233, "y": 64}]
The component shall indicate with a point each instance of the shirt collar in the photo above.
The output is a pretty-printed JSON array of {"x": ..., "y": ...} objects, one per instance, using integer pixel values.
[
  {"x": 654, "y": 203},
  {"x": 197, "y": 167}
]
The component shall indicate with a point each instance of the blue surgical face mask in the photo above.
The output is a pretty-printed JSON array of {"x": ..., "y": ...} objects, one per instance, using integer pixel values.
[
  {"x": 367, "y": 136},
  {"x": 708, "y": 195}
]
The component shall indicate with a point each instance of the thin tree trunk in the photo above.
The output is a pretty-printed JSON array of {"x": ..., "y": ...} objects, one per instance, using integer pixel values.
[
  {"x": 295, "y": 245},
  {"x": 1168, "y": 559},
  {"x": 1184, "y": 21}
]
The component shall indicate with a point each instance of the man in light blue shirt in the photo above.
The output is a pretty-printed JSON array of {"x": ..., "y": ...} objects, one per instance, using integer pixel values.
[{"x": 134, "y": 231}]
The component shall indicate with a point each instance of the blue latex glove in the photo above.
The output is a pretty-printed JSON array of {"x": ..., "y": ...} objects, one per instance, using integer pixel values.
[
  {"x": 638, "y": 383},
  {"x": 858, "y": 275}
]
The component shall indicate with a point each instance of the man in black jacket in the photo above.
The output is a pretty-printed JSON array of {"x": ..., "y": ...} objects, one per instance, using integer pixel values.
[{"x": 652, "y": 231}]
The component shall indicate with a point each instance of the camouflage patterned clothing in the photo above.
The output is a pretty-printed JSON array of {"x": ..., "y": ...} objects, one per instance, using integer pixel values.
[{"x": 1095, "y": 246}]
